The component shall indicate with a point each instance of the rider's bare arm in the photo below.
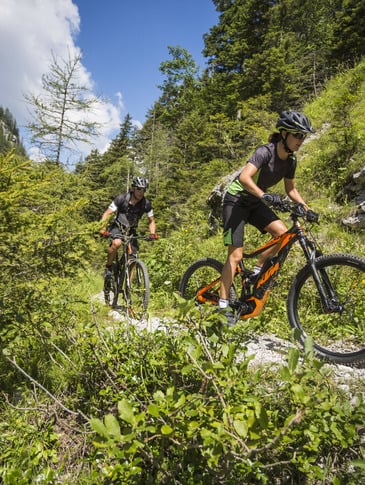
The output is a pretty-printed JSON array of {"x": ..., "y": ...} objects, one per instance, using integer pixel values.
[
  {"x": 246, "y": 179},
  {"x": 293, "y": 192}
]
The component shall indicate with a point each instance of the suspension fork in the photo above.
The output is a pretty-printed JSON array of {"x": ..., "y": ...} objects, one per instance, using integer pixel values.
[{"x": 321, "y": 279}]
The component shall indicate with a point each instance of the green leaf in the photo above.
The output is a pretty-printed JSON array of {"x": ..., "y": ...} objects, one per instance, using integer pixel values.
[
  {"x": 285, "y": 373},
  {"x": 309, "y": 346},
  {"x": 153, "y": 410},
  {"x": 261, "y": 414},
  {"x": 158, "y": 396},
  {"x": 135, "y": 446},
  {"x": 358, "y": 463},
  {"x": 112, "y": 425},
  {"x": 126, "y": 411},
  {"x": 299, "y": 392},
  {"x": 166, "y": 429},
  {"x": 335, "y": 430},
  {"x": 293, "y": 357},
  {"x": 180, "y": 402},
  {"x": 193, "y": 425},
  {"x": 258, "y": 409},
  {"x": 241, "y": 428},
  {"x": 98, "y": 426}
]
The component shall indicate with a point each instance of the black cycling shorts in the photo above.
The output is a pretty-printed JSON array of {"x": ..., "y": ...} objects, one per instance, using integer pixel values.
[
  {"x": 116, "y": 233},
  {"x": 237, "y": 212}
]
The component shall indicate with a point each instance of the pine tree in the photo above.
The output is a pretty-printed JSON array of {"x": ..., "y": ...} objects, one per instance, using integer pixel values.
[{"x": 62, "y": 113}]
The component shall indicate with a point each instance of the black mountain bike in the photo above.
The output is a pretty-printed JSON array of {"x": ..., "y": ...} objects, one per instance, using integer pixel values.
[
  {"x": 129, "y": 287},
  {"x": 326, "y": 299}
]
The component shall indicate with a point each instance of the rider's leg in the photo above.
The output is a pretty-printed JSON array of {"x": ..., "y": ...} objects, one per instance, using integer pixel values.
[
  {"x": 234, "y": 256},
  {"x": 276, "y": 229},
  {"x": 112, "y": 251},
  {"x": 233, "y": 230}
]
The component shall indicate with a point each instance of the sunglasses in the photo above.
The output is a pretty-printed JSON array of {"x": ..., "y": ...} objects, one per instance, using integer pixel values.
[
  {"x": 139, "y": 188},
  {"x": 299, "y": 135}
]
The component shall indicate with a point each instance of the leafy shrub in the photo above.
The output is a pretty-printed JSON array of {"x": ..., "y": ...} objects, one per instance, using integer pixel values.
[{"x": 195, "y": 412}]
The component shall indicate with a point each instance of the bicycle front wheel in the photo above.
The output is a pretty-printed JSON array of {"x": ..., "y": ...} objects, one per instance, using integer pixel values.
[
  {"x": 138, "y": 291},
  {"x": 339, "y": 332},
  {"x": 201, "y": 281}
]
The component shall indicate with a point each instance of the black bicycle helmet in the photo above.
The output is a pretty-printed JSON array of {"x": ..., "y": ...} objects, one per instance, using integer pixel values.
[
  {"x": 294, "y": 121},
  {"x": 140, "y": 182}
]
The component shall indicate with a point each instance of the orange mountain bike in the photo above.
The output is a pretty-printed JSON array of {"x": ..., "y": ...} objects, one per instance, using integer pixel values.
[{"x": 326, "y": 299}]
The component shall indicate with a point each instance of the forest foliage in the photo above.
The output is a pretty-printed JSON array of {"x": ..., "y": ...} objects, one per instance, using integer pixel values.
[
  {"x": 9, "y": 133},
  {"x": 89, "y": 400}
]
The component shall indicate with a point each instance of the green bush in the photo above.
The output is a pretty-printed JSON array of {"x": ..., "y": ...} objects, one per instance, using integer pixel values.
[{"x": 196, "y": 412}]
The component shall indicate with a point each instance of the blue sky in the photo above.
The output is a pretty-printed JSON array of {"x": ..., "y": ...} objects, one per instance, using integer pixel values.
[{"x": 123, "y": 43}]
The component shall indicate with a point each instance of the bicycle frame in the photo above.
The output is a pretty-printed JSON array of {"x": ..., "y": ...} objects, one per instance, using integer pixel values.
[
  {"x": 272, "y": 266},
  {"x": 268, "y": 274},
  {"x": 251, "y": 303}
]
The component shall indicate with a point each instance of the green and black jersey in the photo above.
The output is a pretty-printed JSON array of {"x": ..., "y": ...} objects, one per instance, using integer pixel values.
[{"x": 270, "y": 170}]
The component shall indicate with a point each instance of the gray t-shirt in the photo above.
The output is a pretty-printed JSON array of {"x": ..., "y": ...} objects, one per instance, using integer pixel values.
[{"x": 270, "y": 170}]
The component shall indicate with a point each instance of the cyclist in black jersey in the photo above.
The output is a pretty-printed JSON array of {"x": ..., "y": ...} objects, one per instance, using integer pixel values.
[
  {"x": 247, "y": 199},
  {"x": 129, "y": 209}
]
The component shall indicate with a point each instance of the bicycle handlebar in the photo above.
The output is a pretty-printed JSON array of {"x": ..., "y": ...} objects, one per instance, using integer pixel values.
[
  {"x": 129, "y": 237},
  {"x": 296, "y": 209}
]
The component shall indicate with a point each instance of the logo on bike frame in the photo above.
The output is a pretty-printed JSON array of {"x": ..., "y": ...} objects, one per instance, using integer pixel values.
[{"x": 268, "y": 274}]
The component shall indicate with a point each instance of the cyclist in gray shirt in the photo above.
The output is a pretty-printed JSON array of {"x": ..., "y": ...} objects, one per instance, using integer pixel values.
[{"x": 247, "y": 199}]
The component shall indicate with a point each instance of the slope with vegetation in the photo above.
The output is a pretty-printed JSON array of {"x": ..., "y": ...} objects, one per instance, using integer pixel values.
[
  {"x": 9, "y": 133},
  {"x": 89, "y": 400}
]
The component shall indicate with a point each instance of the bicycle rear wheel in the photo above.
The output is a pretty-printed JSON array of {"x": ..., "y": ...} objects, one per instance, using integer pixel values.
[
  {"x": 339, "y": 334},
  {"x": 201, "y": 281},
  {"x": 138, "y": 292},
  {"x": 110, "y": 286}
]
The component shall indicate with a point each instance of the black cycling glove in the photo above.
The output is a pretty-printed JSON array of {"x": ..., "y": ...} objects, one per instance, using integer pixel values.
[
  {"x": 273, "y": 200},
  {"x": 311, "y": 216}
]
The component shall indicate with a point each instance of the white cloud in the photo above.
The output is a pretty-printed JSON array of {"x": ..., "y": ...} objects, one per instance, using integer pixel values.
[
  {"x": 30, "y": 31},
  {"x": 120, "y": 100}
]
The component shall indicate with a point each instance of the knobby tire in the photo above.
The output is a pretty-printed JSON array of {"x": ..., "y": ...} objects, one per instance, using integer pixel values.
[
  {"x": 138, "y": 296},
  {"x": 111, "y": 287},
  {"x": 338, "y": 336}
]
